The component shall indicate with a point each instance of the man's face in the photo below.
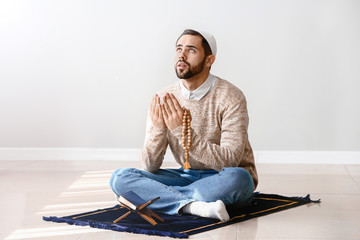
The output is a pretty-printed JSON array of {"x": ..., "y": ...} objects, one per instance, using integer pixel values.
[{"x": 189, "y": 56}]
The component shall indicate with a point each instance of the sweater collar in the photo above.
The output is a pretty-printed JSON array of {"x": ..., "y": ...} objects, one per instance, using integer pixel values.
[{"x": 201, "y": 91}]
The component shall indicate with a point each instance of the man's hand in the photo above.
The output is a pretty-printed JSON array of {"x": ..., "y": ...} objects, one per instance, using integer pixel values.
[
  {"x": 156, "y": 113},
  {"x": 172, "y": 111}
]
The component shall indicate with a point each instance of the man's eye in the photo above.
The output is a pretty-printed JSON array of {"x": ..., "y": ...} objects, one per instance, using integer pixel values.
[
  {"x": 192, "y": 50},
  {"x": 178, "y": 49}
]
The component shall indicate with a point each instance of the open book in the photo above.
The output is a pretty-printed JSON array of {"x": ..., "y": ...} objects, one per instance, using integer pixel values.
[
  {"x": 132, "y": 200},
  {"x": 134, "y": 203}
]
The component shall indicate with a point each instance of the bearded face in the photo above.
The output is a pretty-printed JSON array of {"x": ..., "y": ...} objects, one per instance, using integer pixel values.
[{"x": 185, "y": 70}]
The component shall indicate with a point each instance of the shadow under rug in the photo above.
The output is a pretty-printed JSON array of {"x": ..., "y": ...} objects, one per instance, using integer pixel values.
[{"x": 184, "y": 225}]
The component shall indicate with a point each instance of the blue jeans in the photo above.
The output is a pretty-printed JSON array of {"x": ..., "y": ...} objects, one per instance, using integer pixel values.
[{"x": 178, "y": 187}]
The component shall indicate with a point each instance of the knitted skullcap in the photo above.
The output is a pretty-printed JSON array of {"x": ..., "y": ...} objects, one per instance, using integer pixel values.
[{"x": 211, "y": 40}]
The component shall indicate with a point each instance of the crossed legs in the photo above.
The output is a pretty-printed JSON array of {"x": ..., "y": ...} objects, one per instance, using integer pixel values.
[{"x": 199, "y": 192}]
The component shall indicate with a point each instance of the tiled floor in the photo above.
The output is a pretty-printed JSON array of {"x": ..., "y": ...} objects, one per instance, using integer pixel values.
[{"x": 32, "y": 189}]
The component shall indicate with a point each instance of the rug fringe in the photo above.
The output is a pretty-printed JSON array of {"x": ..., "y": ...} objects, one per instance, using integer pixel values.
[
  {"x": 307, "y": 199},
  {"x": 304, "y": 199},
  {"x": 115, "y": 227}
]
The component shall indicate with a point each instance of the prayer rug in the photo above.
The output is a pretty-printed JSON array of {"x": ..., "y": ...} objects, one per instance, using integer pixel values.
[{"x": 184, "y": 225}]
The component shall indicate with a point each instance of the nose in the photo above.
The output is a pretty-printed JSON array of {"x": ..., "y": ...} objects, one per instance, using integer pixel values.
[{"x": 181, "y": 56}]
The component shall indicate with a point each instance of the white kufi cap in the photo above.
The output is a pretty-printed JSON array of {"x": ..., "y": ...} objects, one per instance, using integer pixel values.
[{"x": 211, "y": 40}]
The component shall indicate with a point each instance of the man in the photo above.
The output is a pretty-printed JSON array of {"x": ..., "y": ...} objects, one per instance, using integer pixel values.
[{"x": 223, "y": 174}]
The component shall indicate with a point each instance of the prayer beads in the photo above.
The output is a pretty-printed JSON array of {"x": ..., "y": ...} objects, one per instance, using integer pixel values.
[{"x": 186, "y": 129}]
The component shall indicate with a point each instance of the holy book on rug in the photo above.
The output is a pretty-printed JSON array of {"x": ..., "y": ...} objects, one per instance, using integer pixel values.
[
  {"x": 132, "y": 200},
  {"x": 135, "y": 204}
]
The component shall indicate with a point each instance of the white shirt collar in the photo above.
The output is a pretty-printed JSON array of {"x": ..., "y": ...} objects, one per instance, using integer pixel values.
[{"x": 201, "y": 91}]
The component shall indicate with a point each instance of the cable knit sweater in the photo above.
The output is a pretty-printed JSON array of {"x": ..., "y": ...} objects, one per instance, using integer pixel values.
[{"x": 219, "y": 132}]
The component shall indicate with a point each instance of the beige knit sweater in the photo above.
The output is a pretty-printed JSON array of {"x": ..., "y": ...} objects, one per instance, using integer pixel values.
[{"x": 219, "y": 132}]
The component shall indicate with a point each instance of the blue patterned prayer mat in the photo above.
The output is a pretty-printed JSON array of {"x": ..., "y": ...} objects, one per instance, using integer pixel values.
[{"x": 180, "y": 226}]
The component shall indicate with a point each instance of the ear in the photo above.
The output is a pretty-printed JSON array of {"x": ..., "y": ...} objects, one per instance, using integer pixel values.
[{"x": 210, "y": 60}]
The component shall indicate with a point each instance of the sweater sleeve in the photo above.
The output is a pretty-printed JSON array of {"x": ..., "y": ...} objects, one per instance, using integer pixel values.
[
  {"x": 230, "y": 151},
  {"x": 153, "y": 151}
]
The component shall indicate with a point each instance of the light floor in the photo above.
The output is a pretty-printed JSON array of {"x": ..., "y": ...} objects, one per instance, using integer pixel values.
[{"x": 32, "y": 189}]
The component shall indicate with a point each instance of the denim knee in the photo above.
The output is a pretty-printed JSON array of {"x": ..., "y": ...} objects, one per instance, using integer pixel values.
[
  {"x": 117, "y": 179},
  {"x": 238, "y": 176},
  {"x": 240, "y": 183}
]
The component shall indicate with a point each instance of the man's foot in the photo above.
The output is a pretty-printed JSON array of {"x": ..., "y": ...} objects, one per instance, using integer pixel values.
[{"x": 207, "y": 209}]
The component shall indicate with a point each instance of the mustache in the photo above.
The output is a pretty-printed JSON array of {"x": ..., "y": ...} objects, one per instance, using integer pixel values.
[{"x": 182, "y": 61}]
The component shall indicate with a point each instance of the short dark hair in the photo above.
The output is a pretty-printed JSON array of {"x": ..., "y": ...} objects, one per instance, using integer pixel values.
[{"x": 204, "y": 43}]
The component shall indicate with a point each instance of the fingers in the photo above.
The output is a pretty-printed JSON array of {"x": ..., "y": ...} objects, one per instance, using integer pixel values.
[
  {"x": 168, "y": 105},
  {"x": 156, "y": 113},
  {"x": 168, "y": 114},
  {"x": 170, "y": 102},
  {"x": 164, "y": 112},
  {"x": 172, "y": 114},
  {"x": 158, "y": 107},
  {"x": 174, "y": 105},
  {"x": 153, "y": 105},
  {"x": 175, "y": 102}
]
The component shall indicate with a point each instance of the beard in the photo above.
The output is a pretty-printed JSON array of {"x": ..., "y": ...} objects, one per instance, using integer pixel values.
[{"x": 191, "y": 71}]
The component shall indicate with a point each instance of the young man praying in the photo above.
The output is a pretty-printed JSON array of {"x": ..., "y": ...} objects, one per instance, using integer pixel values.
[{"x": 223, "y": 173}]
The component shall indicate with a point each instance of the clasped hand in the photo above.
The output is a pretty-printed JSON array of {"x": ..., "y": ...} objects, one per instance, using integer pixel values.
[{"x": 168, "y": 114}]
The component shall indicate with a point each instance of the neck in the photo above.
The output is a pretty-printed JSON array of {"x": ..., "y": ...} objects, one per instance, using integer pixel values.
[{"x": 196, "y": 81}]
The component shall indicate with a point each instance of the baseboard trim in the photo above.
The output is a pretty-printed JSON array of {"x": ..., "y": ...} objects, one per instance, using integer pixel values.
[
  {"x": 308, "y": 157},
  {"x": 132, "y": 154},
  {"x": 121, "y": 154}
]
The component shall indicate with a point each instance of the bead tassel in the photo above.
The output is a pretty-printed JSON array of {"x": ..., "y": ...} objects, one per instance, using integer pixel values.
[{"x": 186, "y": 130}]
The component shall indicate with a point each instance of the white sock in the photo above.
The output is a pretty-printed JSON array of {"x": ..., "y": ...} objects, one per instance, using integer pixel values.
[{"x": 207, "y": 209}]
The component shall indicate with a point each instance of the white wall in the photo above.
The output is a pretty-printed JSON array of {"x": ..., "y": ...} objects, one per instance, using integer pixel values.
[{"x": 80, "y": 74}]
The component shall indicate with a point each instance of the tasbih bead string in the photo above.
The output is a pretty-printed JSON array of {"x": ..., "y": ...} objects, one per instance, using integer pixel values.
[{"x": 186, "y": 128}]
